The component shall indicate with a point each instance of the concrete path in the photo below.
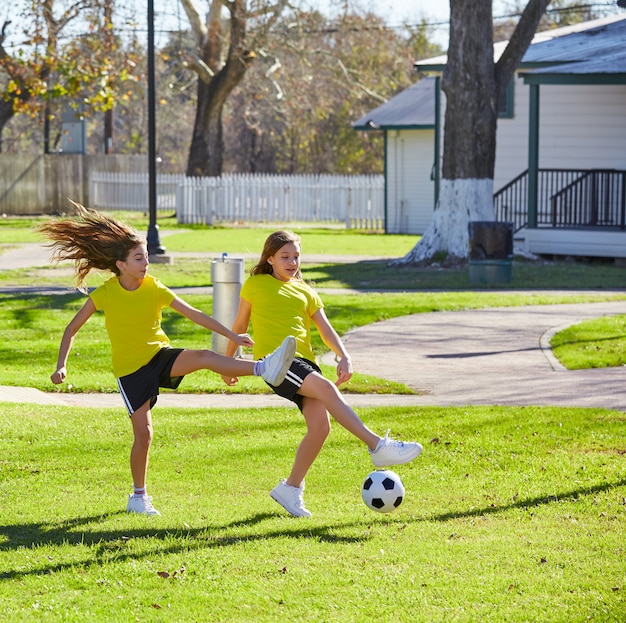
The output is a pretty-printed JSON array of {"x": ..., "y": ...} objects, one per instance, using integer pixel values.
[
  {"x": 491, "y": 356},
  {"x": 497, "y": 356}
]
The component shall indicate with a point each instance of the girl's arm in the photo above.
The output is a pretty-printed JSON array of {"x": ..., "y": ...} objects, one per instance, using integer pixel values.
[
  {"x": 206, "y": 321},
  {"x": 81, "y": 317},
  {"x": 333, "y": 341},
  {"x": 241, "y": 323}
]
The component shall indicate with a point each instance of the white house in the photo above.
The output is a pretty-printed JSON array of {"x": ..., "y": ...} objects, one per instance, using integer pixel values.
[{"x": 561, "y": 135}]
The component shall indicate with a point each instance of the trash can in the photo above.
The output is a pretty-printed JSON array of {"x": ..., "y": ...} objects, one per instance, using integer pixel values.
[
  {"x": 490, "y": 252},
  {"x": 227, "y": 277}
]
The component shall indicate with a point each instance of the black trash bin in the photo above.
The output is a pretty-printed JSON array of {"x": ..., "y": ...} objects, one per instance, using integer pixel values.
[{"x": 490, "y": 252}]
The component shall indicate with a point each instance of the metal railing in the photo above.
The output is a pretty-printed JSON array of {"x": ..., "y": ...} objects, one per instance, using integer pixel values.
[{"x": 594, "y": 198}]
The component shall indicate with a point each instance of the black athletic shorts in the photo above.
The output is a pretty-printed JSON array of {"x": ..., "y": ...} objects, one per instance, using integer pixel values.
[
  {"x": 300, "y": 368},
  {"x": 143, "y": 385}
]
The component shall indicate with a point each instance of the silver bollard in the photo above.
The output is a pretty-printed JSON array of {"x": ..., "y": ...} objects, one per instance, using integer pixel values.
[{"x": 227, "y": 277}]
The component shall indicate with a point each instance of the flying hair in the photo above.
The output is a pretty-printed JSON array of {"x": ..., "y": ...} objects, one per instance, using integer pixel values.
[
  {"x": 273, "y": 243},
  {"x": 91, "y": 240}
]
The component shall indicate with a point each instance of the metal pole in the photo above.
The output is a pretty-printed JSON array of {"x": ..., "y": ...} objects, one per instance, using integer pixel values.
[
  {"x": 533, "y": 157},
  {"x": 154, "y": 243}
]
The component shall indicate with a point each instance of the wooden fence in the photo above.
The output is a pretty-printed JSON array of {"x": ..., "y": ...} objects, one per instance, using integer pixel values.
[
  {"x": 357, "y": 201},
  {"x": 42, "y": 184}
]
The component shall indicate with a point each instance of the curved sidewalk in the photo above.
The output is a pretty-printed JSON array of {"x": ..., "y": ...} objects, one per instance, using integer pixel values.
[
  {"x": 496, "y": 356},
  {"x": 480, "y": 357}
]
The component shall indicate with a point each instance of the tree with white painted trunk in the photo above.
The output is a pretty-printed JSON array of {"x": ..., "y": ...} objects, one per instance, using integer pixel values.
[{"x": 472, "y": 82}]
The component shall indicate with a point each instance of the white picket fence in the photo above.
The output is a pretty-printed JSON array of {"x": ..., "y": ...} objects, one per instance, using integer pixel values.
[
  {"x": 129, "y": 191},
  {"x": 354, "y": 200}
]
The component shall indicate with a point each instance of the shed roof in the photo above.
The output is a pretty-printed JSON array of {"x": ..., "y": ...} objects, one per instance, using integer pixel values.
[{"x": 413, "y": 108}]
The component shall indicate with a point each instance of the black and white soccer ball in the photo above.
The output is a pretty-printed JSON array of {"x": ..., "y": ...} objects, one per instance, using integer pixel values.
[{"x": 383, "y": 491}]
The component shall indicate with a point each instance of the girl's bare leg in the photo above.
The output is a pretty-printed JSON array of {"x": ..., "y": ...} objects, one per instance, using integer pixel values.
[
  {"x": 316, "y": 386},
  {"x": 318, "y": 429},
  {"x": 192, "y": 360},
  {"x": 141, "y": 420}
]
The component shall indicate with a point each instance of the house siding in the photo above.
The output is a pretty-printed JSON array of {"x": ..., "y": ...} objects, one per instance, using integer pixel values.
[
  {"x": 581, "y": 127},
  {"x": 512, "y": 139},
  {"x": 410, "y": 191}
]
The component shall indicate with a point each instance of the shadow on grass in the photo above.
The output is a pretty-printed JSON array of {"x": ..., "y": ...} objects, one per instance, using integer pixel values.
[
  {"x": 105, "y": 543},
  {"x": 531, "y": 502}
]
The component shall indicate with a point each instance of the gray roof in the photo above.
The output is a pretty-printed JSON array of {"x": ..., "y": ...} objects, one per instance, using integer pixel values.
[
  {"x": 590, "y": 52},
  {"x": 598, "y": 45},
  {"x": 583, "y": 42},
  {"x": 592, "y": 48},
  {"x": 412, "y": 108}
]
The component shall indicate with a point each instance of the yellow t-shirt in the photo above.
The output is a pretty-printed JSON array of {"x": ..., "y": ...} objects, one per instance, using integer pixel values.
[
  {"x": 280, "y": 309},
  {"x": 133, "y": 321}
]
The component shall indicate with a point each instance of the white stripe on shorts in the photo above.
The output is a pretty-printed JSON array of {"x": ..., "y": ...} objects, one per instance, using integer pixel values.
[
  {"x": 129, "y": 407},
  {"x": 294, "y": 379}
]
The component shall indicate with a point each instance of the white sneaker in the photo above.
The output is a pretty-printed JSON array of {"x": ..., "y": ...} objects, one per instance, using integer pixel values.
[
  {"x": 141, "y": 504},
  {"x": 392, "y": 452},
  {"x": 278, "y": 362},
  {"x": 290, "y": 498}
]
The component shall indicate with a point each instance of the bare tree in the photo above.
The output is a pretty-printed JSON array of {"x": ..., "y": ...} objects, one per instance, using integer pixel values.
[
  {"x": 314, "y": 75},
  {"x": 472, "y": 82},
  {"x": 225, "y": 51}
]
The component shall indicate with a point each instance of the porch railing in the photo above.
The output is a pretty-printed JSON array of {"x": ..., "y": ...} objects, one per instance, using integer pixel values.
[{"x": 566, "y": 198}]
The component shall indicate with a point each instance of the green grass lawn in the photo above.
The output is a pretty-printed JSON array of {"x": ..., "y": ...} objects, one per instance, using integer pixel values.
[
  {"x": 511, "y": 514},
  {"x": 31, "y": 327},
  {"x": 38, "y": 322},
  {"x": 235, "y": 239},
  {"x": 597, "y": 343}
]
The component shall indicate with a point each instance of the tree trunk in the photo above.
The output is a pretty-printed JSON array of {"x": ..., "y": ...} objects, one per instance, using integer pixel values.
[
  {"x": 207, "y": 143},
  {"x": 215, "y": 85},
  {"x": 6, "y": 113},
  {"x": 472, "y": 83}
]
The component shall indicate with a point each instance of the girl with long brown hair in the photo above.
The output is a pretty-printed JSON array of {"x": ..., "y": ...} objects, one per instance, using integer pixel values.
[
  {"x": 132, "y": 301},
  {"x": 279, "y": 303}
]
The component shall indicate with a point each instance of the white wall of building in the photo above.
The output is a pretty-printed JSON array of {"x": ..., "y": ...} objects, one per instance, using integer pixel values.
[
  {"x": 580, "y": 127},
  {"x": 410, "y": 190}
]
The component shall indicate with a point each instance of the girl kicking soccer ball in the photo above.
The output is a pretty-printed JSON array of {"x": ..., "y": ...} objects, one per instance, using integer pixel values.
[
  {"x": 279, "y": 303},
  {"x": 132, "y": 301}
]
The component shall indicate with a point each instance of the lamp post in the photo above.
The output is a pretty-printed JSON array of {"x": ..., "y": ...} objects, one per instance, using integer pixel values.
[{"x": 154, "y": 242}]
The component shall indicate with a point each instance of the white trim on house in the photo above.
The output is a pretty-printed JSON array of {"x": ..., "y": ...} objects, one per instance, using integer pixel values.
[{"x": 574, "y": 242}]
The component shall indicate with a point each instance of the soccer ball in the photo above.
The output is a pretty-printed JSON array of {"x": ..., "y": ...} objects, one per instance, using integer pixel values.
[{"x": 383, "y": 491}]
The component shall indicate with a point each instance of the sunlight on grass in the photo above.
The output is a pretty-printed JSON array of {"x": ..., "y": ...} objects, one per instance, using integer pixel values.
[
  {"x": 597, "y": 343},
  {"x": 509, "y": 512}
]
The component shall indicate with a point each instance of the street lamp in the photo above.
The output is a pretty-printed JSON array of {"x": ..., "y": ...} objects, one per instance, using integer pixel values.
[{"x": 154, "y": 242}]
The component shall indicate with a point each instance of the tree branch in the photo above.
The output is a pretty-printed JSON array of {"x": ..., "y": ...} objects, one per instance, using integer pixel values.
[
  {"x": 520, "y": 40},
  {"x": 205, "y": 73},
  {"x": 3, "y": 33},
  {"x": 198, "y": 26}
]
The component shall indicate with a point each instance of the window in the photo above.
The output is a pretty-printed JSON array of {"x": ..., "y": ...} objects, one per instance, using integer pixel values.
[{"x": 505, "y": 104}]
